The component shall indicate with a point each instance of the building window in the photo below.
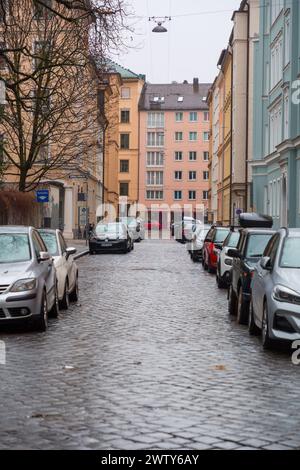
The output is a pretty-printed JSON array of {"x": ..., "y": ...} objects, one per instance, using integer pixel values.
[
  {"x": 206, "y": 175},
  {"x": 124, "y": 189},
  {"x": 150, "y": 194},
  {"x": 155, "y": 158},
  {"x": 206, "y": 116},
  {"x": 276, "y": 62},
  {"x": 41, "y": 50},
  {"x": 192, "y": 195},
  {"x": 277, "y": 7},
  {"x": 155, "y": 178},
  {"x": 193, "y": 116},
  {"x": 205, "y": 195},
  {"x": 205, "y": 136},
  {"x": 177, "y": 195},
  {"x": 44, "y": 151},
  {"x": 178, "y": 175},
  {"x": 178, "y": 136},
  {"x": 179, "y": 117},
  {"x": 287, "y": 40},
  {"x": 193, "y": 136},
  {"x": 192, "y": 156},
  {"x": 125, "y": 93},
  {"x": 192, "y": 175},
  {"x": 156, "y": 119},
  {"x": 125, "y": 116},
  {"x": 155, "y": 139},
  {"x": 124, "y": 142},
  {"x": 178, "y": 156},
  {"x": 206, "y": 156},
  {"x": 124, "y": 166},
  {"x": 275, "y": 127}
]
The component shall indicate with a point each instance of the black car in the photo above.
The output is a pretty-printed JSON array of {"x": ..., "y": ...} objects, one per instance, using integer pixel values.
[
  {"x": 111, "y": 237},
  {"x": 250, "y": 248}
]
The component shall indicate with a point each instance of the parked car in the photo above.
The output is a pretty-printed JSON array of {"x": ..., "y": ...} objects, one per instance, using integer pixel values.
[
  {"x": 28, "y": 283},
  {"x": 111, "y": 237},
  {"x": 224, "y": 266},
  {"x": 250, "y": 248},
  {"x": 135, "y": 226},
  {"x": 212, "y": 244},
  {"x": 183, "y": 229},
  {"x": 196, "y": 245},
  {"x": 65, "y": 265},
  {"x": 153, "y": 225},
  {"x": 275, "y": 288}
]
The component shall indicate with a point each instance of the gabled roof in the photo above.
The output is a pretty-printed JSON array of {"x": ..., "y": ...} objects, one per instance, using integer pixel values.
[
  {"x": 175, "y": 96},
  {"x": 124, "y": 72}
]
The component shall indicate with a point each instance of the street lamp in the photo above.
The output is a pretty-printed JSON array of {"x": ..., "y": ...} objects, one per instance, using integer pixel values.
[{"x": 159, "y": 28}]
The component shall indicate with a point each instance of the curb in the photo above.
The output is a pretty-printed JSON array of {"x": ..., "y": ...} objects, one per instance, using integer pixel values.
[{"x": 80, "y": 255}]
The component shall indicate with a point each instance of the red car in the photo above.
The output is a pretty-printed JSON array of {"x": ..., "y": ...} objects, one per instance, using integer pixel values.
[
  {"x": 154, "y": 225},
  {"x": 212, "y": 244}
]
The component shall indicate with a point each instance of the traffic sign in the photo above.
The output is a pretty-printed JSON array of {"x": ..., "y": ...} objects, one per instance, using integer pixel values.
[{"x": 42, "y": 195}]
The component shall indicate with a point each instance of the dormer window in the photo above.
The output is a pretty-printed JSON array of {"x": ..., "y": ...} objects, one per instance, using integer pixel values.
[{"x": 180, "y": 99}]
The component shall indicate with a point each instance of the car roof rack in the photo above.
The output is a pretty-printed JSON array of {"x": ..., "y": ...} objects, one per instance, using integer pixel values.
[{"x": 254, "y": 220}]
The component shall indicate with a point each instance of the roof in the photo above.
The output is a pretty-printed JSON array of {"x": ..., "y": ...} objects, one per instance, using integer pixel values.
[
  {"x": 193, "y": 96},
  {"x": 124, "y": 72}
]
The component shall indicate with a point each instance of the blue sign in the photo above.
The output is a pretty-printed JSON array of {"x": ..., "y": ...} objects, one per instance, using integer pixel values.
[{"x": 42, "y": 195}]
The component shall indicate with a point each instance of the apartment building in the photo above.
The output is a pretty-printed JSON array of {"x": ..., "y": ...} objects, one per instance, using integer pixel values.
[{"x": 174, "y": 145}]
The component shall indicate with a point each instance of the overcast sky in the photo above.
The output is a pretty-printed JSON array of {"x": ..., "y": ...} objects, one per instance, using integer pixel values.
[{"x": 191, "y": 47}]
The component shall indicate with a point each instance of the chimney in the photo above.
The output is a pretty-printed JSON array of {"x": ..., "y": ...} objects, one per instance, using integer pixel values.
[{"x": 196, "y": 85}]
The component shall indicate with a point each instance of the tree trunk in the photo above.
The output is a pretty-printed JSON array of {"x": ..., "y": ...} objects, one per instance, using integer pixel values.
[{"x": 22, "y": 180}]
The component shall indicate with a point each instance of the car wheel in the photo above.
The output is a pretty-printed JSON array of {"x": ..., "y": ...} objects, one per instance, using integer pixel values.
[
  {"x": 219, "y": 281},
  {"x": 266, "y": 341},
  {"x": 41, "y": 323},
  {"x": 252, "y": 328},
  {"x": 232, "y": 302},
  {"x": 242, "y": 309},
  {"x": 54, "y": 312},
  {"x": 74, "y": 295},
  {"x": 65, "y": 302}
]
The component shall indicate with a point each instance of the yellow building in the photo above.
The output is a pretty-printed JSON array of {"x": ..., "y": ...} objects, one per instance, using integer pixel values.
[{"x": 225, "y": 136}]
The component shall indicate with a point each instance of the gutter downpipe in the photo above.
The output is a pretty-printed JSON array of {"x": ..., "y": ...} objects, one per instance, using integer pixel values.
[
  {"x": 231, "y": 217},
  {"x": 247, "y": 111}
]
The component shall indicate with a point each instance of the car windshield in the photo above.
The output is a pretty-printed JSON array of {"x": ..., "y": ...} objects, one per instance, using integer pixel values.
[
  {"x": 50, "y": 242},
  {"x": 256, "y": 244},
  {"x": 102, "y": 229},
  {"x": 290, "y": 256},
  {"x": 233, "y": 240},
  {"x": 14, "y": 247},
  {"x": 221, "y": 235}
]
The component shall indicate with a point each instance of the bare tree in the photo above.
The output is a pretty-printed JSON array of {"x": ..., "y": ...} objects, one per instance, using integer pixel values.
[{"x": 50, "y": 120}]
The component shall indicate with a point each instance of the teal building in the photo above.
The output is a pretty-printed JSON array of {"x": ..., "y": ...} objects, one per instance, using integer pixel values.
[{"x": 275, "y": 164}]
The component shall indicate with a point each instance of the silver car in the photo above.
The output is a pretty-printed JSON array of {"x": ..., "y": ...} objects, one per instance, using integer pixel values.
[
  {"x": 65, "y": 265},
  {"x": 275, "y": 303},
  {"x": 28, "y": 285}
]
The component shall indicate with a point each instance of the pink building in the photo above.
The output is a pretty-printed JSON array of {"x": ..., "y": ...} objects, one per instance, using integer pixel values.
[{"x": 174, "y": 145}]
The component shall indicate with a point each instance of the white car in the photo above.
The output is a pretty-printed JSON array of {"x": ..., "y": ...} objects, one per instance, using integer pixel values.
[
  {"x": 224, "y": 266},
  {"x": 198, "y": 236},
  {"x": 65, "y": 265}
]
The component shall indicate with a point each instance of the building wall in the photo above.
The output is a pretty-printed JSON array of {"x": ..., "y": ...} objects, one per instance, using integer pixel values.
[
  {"x": 170, "y": 165},
  {"x": 132, "y": 128},
  {"x": 276, "y": 137}
]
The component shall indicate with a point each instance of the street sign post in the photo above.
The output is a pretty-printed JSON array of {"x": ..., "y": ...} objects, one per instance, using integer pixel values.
[{"x": 42, "y": 195}]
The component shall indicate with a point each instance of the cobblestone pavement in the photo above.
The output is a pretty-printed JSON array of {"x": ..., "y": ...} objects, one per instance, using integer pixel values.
[{"x": 153, "y": 362}]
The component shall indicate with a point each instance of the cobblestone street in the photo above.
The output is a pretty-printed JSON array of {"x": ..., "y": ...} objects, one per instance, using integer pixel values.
[{"x": 150, "y": 359}]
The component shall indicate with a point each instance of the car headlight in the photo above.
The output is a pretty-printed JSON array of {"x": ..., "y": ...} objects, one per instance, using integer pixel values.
[
  {"x": 284, "y": 294},
  {"x": 23, "y": 285}
]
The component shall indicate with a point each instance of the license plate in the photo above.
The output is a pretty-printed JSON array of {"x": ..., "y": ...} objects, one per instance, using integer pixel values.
[{"x": 107, "y": 244}]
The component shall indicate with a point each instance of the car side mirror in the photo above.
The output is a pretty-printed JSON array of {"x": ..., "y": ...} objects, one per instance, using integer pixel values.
[
  {"x": 233, "y": 253},
  {"x": 266, "y": 264},
  {"x": 70, "y": 251},
  {"x": 44, "y": 256}
]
